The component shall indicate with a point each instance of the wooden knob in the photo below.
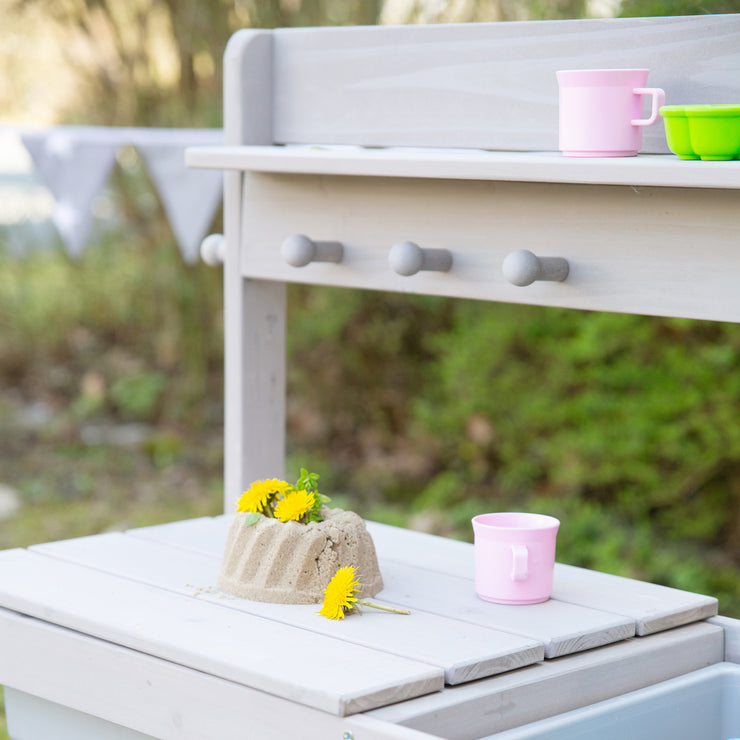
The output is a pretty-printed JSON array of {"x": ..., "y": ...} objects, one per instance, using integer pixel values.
[
  {"x": 213, "y": 250},
  {"x": 523, "y": 268},
  {"x": 298, "y": 250},
  {"x": 407, "y": 258}
]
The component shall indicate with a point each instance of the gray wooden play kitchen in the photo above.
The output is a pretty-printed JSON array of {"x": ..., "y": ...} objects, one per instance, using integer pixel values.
[{"x": 421, "y": 160}]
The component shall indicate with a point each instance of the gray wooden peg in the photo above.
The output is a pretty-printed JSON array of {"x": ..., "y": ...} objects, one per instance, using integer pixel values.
[
  {"x": 407, "y": 258},
  {"x": 523, "y": 268},
  {"x": 213, "y": 250},
  {"x": 298, "y": 250}
]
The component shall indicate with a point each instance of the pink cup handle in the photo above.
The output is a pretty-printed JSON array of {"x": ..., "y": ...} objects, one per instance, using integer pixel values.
[
  {"x": 658, "y": 100},
  {"x": 519, "y": 568}
]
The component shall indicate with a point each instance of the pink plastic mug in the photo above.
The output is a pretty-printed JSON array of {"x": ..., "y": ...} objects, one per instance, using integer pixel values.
[
  {"x": 514, "y": 557},
  {"x": 601, "y": 111}
]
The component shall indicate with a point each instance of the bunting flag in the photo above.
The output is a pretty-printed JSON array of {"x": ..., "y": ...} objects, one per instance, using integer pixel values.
[
  {"x": 74, "y": 162},
  {"x": 75, "y": 170},
  {"x": 189, "y": 197}
]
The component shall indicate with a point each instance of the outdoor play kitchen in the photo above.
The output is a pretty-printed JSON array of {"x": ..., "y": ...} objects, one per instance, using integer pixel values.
[{"x": 417, "y": 160}]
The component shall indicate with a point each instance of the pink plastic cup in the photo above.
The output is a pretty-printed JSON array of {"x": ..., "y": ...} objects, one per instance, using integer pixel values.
[
  {"x": 601, "y": 111},
  {"x": 514, "y": 557}
]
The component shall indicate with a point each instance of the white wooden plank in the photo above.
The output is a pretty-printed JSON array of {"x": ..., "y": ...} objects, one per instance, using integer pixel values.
[
  {"x": 664, "y": 170},
  {"x": 563, "y": 628},
  {"x": 157, "y": 697},
  {"x": 485, "y": 85},
  {"x": 731, "y": 628},
  {"x": 435, "y": 574},
  {"x": 282, "y": 660},
  {"x": 254, "y": 312},
  {"x": 493, "y": 705},
  {"x": 206, "y": 535},
  {"x": 439, "y": 554},
  {"x": 653, "y": 607},
  {"x": 464, "y": 651},
  {"x": 636, "y": 250}
]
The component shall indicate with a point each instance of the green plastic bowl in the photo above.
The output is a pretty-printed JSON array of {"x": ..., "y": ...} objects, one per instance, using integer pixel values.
[
  {"x": 715, "y": 131},
  {"x": 677, "y": 131},
  {"x": 710, "y": 132}
]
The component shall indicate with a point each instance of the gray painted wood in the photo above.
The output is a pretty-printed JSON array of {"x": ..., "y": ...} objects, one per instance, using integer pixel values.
[
  {"x": 629, "y": 249},
  {"x": 145, "y": 694},
  {"x": 470, "y": 164},
  {"x": 464, "y": 651},
  {"x": 205, "y": 535},
  {"x": 254, "y": 311},
  {"x": 493, "y": 705},
  {"x": 633, "y": 248},
  {"x": 652, "y": 607},
  {"x": 297, "y": 665},
  {"x": 412, "y": 578},
  {"x": 484, "y": 85},
  {"x": 563, "y": 628},
  {"x": 731, "y": 629}
]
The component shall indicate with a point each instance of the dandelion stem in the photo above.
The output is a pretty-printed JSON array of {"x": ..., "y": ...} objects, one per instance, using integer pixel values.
[{"x": 384, "y": 608}]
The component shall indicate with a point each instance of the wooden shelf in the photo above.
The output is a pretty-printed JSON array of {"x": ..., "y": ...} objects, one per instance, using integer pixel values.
[{"x": 662, "y": 170}]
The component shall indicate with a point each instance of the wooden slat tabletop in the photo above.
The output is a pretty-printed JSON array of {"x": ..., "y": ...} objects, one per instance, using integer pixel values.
[
  {"x": 335, "y": 676},
  {"x": 153, "y": 589},
  {"x": 492, "y": 705},
  {"x": 652, "y": 607},
  {"x": 433, "y": 639},
  {"x": 560, "y": 628}
]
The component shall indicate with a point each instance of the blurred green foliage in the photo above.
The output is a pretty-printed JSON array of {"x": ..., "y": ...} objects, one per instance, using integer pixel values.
[
  {"x": 625, "y": 427},
  {"x": 642, "y": 8}
]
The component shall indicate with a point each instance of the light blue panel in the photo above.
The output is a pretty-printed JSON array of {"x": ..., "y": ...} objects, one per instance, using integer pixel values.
[
  {"x": 32, "y": 718},
  {"x": 702, "y": 705}
]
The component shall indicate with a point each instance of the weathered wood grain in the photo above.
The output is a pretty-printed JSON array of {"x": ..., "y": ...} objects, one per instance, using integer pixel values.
[
  {"x": 287, "y": 662},
  {"x": 653, "y": 607},
  {"x": 410, "y": 563},
  {"x": 513, "y": 699},
  {"x": 634, "y": 250},
  {"x": 484, "y": 85},
  {"x": 464, "y": 651},
  {"x": 470, "y": 164},
  {"x": 99, "y": 684},
  {"x": 731, "y": 629},
  {"x": 254, "y": 311}
]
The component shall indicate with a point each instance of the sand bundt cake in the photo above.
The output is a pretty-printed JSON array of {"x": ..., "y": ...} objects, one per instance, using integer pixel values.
[
  {"x": 284, "y": 545},
  {"x": 292, "y": 563}
]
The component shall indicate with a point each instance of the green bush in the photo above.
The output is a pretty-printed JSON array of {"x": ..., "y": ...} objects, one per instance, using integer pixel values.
[{"x": 622, "y": 425}]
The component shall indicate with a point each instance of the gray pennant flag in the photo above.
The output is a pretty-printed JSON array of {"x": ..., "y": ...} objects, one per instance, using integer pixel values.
[
  {"x": 189, "y": 197},
  {"x": 75, "y": 166}
]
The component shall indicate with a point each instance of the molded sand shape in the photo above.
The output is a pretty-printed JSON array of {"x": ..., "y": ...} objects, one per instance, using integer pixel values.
[{"x": 292, "y": 563}]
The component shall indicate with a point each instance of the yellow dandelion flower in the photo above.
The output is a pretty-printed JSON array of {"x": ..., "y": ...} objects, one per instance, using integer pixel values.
[
  {"x": 294, "y": 505},
  {"x": 260, "y": 493},
  {"x": 340, "y": 593},
  {"x": 340, "y": 596}
]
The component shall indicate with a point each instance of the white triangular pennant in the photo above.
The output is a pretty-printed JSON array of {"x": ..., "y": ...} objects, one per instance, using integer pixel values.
[
  {"x": 189, "y": 197},
  {"x": 74, "y": 166}
]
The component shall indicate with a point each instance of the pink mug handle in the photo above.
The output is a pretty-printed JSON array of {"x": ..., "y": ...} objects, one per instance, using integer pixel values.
[
  {"x": 519, "y": 568},
  {"x": 658, "y": 96}
]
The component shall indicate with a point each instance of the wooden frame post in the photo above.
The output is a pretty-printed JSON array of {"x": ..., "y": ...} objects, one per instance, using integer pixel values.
[{"x": 254, "y": 310}]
